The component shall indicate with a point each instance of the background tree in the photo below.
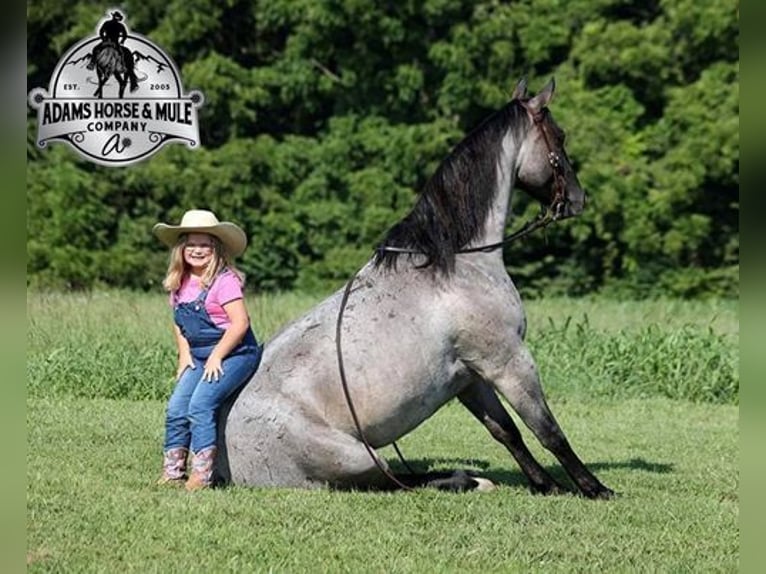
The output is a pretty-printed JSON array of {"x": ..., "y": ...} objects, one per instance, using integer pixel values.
[{"x": 323, "y": 118}]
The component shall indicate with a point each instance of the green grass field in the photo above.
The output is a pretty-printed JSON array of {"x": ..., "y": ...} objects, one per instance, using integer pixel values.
[{"x": 646, "y": 392}]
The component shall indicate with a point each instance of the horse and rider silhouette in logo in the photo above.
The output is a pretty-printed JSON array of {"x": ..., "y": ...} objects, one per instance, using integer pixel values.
[{"x": 111, "y": 57}]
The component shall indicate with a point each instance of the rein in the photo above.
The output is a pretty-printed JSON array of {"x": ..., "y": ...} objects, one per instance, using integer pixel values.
[
  {"x": 344, "y": 382},
  {"x": 547, "y": 216}
]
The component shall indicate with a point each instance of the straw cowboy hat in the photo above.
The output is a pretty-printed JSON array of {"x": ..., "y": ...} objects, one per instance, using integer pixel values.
[{"x": 201, "y": 221}]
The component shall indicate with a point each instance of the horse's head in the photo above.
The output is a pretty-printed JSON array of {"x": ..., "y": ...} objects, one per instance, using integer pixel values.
[{"x": 544, "y": 170}]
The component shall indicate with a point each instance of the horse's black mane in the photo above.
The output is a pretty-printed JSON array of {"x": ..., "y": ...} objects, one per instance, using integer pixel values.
[{"x": 452, "y": 207}]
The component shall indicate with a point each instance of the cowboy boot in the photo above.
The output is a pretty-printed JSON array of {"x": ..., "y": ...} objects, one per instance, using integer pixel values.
[
  {"x": 202, "y": 469},
  {"x": 174, "y": 466}
]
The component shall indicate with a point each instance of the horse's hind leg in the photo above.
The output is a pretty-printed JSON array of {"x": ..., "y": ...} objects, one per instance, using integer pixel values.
[
  {"x": 452, "y": 481},
  {"x": 519, "y": 383},
  {"x": 343, "y": 462},
  {"x": 483, "y": 403},
  {"x": 267, "y": 442}
]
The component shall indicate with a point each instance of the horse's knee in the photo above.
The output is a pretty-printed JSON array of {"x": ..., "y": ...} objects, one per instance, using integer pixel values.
[
  {"x": 341, "y": 461},
  {"x": 505, "y": 434}
]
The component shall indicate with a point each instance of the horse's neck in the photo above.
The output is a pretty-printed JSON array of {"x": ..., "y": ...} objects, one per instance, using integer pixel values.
[{"x": 494, "y": 224}]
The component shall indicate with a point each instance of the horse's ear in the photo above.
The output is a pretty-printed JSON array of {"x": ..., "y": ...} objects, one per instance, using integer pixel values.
[
  {"x": 520, "y": 91},
  {"x": 541, "y": 100}
]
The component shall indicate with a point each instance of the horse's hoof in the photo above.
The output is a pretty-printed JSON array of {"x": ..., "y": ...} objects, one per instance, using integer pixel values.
[
  {"x": 484, "y": 484},
  {"x": 549, "y": 489},
  {"x": 602, "y": 494}
]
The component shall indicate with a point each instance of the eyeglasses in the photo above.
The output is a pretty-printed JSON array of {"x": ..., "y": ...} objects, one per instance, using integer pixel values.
[{"x": 200, "y": 246}]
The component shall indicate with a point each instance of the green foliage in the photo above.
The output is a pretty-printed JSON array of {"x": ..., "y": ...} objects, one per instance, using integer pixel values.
[
  {"x": 323, "y": 118},
  {"x": 76, "y": 348},
  {"x": 684, "y": 363}
]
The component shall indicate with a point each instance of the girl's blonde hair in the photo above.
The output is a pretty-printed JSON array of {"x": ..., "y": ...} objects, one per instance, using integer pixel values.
[{"x": 177, "y": 267}]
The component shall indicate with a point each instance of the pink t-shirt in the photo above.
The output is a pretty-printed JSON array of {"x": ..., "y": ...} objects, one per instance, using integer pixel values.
[{"x": 225, "y": 288}]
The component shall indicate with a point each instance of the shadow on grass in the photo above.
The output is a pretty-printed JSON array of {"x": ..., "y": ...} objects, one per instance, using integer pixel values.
[{"x": 509, "y": 477}]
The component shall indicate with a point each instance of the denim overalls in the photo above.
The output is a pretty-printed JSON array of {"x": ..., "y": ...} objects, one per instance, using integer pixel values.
[{"x": 192, "y": 408}]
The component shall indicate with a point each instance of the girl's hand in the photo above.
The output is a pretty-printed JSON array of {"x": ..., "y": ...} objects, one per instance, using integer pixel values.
[
  {"x": 213, "y": 369},
  {"x": 184, "y": 362},
  {"x": 240, "y": 322},
  {"x": 184, "y": 353}
]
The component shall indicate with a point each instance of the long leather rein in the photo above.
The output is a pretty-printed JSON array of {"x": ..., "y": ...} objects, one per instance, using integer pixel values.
[{"x": 544, "y": 218}]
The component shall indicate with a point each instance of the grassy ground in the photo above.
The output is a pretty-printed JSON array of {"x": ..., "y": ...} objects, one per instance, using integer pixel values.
[
  {"x": 92, "y": 505},
  {"x": 646, "y": 392}
]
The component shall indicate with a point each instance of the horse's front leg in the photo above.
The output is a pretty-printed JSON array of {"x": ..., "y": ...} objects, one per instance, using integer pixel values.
[
  {"x": 518, "y": 381},
  {"x": 480, "y": 399}
]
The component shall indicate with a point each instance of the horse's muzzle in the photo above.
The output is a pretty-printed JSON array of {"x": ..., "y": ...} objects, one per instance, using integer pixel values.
[{"x": 568, "y": 208}]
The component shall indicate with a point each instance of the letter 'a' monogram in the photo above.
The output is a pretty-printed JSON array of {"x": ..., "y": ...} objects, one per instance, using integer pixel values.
[{"x": 116, "y": 98}]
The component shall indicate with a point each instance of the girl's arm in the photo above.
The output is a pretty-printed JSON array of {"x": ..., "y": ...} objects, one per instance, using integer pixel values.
[
  {"x": 240, "y": 321},
  {"x": 184, "y": 353}
]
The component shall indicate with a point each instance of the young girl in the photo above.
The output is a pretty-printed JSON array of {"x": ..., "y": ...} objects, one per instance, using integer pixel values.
[{"x": 217, "y": 351}]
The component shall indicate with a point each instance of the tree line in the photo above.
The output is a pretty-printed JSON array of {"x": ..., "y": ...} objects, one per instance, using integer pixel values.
[{"x": 323, "y": 118}]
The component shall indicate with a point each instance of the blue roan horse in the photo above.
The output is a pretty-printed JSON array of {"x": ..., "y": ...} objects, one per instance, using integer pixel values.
[{"x": 427, "y": 320}]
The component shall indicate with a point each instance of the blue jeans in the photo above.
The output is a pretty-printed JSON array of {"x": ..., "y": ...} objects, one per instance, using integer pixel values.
[{"x": 193, "y": 407}]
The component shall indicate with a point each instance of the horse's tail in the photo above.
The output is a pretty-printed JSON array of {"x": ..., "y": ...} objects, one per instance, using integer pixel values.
[{"x": 107, "y": 58}]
